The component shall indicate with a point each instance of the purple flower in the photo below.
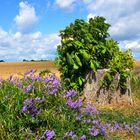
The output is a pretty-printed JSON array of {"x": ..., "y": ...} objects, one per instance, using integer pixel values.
[
  {"x": 0, "y": 80},
  {"x": 89, "y": 121},
  {"x": 20, "y": 85},
  {"x": 37, "y": 99},
  {"x": 126, "y": 126},
  {"x": 135, "y": 129},
  {"x": 35, "y": 78},
  {"x": 83, "y": 137},
  {"x": 33, "y": 111},
  {"x": 69, "y": 134},
  {"x": 27, "y": 72},
  {"x": 90, "y": 109},
  {"x": 27, "y": 138},
  {"x": 32, "y": 71},
  {"x": 103, "y": 128},
  {"x": 24, "y": 109},
  {"x": 94, "y": 131},
  {"x": 117, "y": 126},
  {"x": 74, "y": 104},
  {"x": 96, "y": 122},
  {"x": 28, "y": 102},
  {"x": 49, "y": 134},
  {"x": 28, "y": 88},
  {"x": 71, "y": 93},
  {"x": 11, "y": 77},
  {"x": 53, "y": 91}
]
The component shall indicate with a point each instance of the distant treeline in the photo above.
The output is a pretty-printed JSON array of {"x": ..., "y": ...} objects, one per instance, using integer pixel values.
[
  {"x": 2, "y": 61},
  {"x": 24, "y": 60}
]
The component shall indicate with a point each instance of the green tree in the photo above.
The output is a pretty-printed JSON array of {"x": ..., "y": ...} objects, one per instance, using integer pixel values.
[{"x": 86, "y": 46}]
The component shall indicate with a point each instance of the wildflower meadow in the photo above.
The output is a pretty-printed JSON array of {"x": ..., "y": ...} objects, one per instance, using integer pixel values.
[{"x": 40, "y": 108}]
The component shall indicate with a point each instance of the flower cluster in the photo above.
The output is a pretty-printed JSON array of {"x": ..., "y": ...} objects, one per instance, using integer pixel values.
[
  {"x": 74, "y": 104},
  {"x": 30, "y": 106}
]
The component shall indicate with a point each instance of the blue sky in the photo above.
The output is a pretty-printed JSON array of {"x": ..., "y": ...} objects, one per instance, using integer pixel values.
[{"x": 29, "y": 29}]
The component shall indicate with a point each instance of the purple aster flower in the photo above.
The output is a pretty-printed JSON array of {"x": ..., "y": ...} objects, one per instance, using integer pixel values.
[
  {"x": 53, "y": 91},
  {"x": 94, "y": 131},
  {"x": 83, "y": 137},
  {"x": 20, "y": 85},
  {"x": 74, "y": 104},
  {"x": 27, "y": 72},
  {"x": 96, "y": 122},
  {"x": 32, "y": 71},
  {"x": 33, "y": 111},
  {"x": 135, "y": 129},
  {"x": 28, "y": 102},
  {"x": 35, "y": 78},
  {"x": 117, "y": 126},
  {"x": 49, "y": 134},
  {"x": 24, "y": 109},
  {"x": 103, "y": 128},
  {"x": 89, "y": 121},
  {"x": 71, "y": 93},
  {"x": 89, "y": 109},
  {"x": 11, "y": 77},
  {"x": 37, "y": 99},
  {"x": 28, "y": 88},
  {"x": 27, "y": 138},
  {"x": 69, "y": 134},
  {"x": 0, "y": 80},
  {"x": 126, "y": 126}
]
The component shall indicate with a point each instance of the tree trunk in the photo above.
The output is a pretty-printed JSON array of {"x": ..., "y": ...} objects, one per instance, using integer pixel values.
[{"x": 97, "y": 94}]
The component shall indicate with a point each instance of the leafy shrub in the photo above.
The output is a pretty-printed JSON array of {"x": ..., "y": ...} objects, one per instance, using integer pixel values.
[
  {"x": 86, "y": 46},
  {"x": 37, "y": 107}
]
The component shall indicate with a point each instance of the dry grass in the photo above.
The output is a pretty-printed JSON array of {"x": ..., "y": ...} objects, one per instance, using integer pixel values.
[{"x": 18, "y": 68}]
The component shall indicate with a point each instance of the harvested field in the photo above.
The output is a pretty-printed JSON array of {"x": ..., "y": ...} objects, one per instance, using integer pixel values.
[{"x": 18, "y": 68}]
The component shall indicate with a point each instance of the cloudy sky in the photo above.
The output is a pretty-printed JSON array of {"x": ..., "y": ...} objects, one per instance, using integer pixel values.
[{"x": 30, "y": 29}]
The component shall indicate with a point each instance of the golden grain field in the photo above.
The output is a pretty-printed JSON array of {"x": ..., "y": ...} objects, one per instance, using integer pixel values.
[
  {"x": 17, "y": 69},
  {"x": 137, "y": 67}
]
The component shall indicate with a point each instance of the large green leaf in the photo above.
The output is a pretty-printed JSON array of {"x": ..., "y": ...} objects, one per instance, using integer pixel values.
[
  {"x": 75, "y": 66},
  {"x": 92, "y": 65},
  {"x": 86, "y": 56},
  {"x": 78, "y": 60},
  {"x": 69, "y": 59}
]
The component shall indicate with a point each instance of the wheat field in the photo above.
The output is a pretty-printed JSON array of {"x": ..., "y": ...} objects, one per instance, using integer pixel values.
[{"x": 17, "y": 69}]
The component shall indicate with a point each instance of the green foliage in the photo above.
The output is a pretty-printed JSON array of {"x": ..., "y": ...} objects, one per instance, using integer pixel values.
[{"x": 85, "y": 46}]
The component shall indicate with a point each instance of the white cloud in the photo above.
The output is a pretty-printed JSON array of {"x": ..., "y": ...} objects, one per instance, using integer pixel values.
[
  {"x": 132, "y": 45},
  {"x": 64, "y": 4},
  {"x": 26, "y": 19},
  {"x": 18, "y": 46}
]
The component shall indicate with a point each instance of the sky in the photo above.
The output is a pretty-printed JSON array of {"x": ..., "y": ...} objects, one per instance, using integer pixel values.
[{"x": 29, "y": 29}]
